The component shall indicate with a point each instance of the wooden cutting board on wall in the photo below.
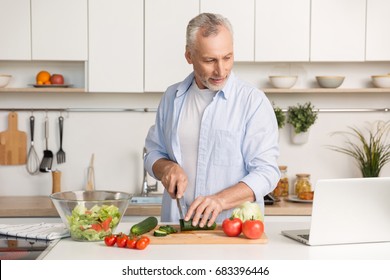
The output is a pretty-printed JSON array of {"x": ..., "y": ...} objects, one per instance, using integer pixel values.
[{"x": 13, "y": 143}]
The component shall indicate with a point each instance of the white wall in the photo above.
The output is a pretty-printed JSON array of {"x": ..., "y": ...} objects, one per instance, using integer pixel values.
[{"x": 117, "y": 138}]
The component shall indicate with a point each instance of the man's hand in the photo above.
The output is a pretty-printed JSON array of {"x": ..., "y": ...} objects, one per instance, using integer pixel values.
[
  {"x": 204, "y": 208},
  {"x": 172, "y": 176},
  {"x": 209, "y": 207}
]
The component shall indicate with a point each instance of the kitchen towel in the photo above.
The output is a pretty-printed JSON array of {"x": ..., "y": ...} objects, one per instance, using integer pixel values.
[{"x": 44, "y": 231}]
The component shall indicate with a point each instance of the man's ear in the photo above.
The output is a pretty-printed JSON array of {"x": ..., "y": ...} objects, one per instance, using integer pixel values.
[{"x": 188, "y": 55}]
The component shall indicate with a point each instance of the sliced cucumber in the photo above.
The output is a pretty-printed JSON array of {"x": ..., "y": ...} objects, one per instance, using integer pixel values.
[
  {"x": 159, "y": 233},
  {"x": 187, "y": 226},
  {"x": 168, "y": 229}
]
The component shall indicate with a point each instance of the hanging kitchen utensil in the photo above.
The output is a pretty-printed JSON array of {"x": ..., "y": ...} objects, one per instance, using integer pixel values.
[
  {"x": 13, "y": 143},
  {"x": 47, "y": 159},
  {"x": 32, "y": 157},
  {"x": 61, "y": 153},
  {"x": 91, "y": 175}
]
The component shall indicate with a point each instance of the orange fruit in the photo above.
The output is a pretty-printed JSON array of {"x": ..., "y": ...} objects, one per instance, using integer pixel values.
[
  {"x": 47, "y": 83},
  {"x": 43, "y": 76},
  {"x": 39, "y": 83}
]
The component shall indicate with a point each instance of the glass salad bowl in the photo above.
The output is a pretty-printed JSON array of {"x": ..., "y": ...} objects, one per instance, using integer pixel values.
[{"x": 90, "y": 215}]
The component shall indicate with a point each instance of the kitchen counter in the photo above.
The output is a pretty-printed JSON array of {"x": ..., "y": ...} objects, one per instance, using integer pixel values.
[
  {"x": 41, "y": 206},
  {"x": 278, "y": 247}
]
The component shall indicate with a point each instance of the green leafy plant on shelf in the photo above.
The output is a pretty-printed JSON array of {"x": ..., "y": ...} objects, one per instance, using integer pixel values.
[
  {"x": 371, "y": 148},
  {"x": 280, "y": 117},
  {"x": 301, "y": 117}
]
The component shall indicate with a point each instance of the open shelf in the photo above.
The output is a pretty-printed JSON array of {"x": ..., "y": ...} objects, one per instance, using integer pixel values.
[
  {"x": 40, "y": 90},
  {"x": 327, "y": 90},
  {"x": 266, "y": 90}
]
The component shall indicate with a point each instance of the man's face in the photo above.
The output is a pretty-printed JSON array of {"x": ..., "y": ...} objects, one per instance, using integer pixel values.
[{"x": 212, "y": 59}]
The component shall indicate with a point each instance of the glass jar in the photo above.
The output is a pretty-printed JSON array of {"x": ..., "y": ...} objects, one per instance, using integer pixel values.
[
  {"x": 302, "y": 183},
  {"x": 282, "y": 186}
]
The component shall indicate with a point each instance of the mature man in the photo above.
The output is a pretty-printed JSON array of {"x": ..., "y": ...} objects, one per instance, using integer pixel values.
[{"x": 215, "y": 140}]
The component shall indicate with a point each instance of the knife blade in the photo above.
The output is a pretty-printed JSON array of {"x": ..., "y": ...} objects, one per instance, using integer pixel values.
[{"x": 181, "y": 206}]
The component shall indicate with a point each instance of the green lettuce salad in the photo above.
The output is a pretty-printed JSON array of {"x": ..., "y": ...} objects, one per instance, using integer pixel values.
[{"x": 93, "y": 224}]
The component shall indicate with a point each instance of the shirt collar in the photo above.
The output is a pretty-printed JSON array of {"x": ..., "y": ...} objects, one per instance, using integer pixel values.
[
  {"x": 225, "y": 91},
  {"x": 185, "y": 85}
]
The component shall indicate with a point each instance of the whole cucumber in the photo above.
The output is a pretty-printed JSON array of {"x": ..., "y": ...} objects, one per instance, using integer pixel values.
[{"x": 144, "y": 226}]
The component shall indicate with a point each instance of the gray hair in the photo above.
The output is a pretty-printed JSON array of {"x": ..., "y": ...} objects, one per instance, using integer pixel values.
[{"x": 209, "y": 23}]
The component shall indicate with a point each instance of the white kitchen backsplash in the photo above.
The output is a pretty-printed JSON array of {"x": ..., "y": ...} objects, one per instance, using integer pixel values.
[{"x": 117, "y": 139}]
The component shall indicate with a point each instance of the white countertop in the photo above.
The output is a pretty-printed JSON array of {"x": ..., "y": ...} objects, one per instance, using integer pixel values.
[{"x": 278, "y": 248}]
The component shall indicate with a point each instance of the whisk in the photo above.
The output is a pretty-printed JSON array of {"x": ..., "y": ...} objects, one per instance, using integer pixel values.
[{"x": 33, "y": 160}]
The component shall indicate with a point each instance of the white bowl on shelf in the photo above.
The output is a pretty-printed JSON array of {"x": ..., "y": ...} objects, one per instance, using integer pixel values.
[
  {"x": 330, "y": 81},
  {"x": 283, "y": 81},
  {"x": 4, "y": 80},
  {"x": 381, "y": 81}
]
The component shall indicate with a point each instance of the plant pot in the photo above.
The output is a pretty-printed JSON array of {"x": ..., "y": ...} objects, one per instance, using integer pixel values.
[{"x": 299, "y": 138}]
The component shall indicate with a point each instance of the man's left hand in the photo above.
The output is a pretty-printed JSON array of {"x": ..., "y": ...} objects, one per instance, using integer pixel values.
[{"x": 205, "y": 210}]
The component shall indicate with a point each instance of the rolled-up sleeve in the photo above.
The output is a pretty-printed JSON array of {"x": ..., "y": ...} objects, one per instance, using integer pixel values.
[{"x": 261, "y": 149}]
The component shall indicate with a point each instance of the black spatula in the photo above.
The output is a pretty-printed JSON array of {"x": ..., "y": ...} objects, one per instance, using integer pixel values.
[{"x": 47, "y": 159}]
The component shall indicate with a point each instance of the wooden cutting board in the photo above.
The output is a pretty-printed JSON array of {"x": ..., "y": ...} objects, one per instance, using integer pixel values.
[
  {"x": 216, "y": 236},
  {"x": 13, "y": 143}
]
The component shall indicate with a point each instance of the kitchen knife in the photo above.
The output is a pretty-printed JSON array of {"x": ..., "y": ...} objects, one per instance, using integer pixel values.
[{"x": 181, "y": 206}]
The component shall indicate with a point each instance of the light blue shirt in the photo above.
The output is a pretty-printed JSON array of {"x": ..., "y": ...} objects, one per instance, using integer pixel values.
[{"x": 238, "y": 142}]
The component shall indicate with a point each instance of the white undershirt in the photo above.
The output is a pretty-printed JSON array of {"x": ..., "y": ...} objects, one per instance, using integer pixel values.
[{"x": 190, "y": 120}]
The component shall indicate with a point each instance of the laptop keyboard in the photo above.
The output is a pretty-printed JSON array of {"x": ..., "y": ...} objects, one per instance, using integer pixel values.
[{"x": 304, "y": 236}]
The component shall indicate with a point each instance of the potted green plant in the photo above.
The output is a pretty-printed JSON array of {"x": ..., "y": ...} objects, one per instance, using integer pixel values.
[
  {"x": 371, "y": 148},
  {"x": 301, "y": 118},
  {"x": 280, "y": 117}
]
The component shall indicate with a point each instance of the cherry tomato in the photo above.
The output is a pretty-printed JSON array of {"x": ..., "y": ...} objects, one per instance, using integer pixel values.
[
  {"x": 121, "y": 240},
  {"x": 110, "y": 240},
  {"x": 253, "y": 229},
  {"x": 141, "y": 244},
  {"x": 232, "y": 226},
  {"x": 131, "y": 243},
  {"x": 147, "y": 239}
]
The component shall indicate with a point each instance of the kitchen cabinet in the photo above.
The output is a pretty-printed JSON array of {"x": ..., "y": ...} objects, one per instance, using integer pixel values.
[
  {"x": 378, "y": 35},
  {"x": 282, "y": 31},
  {"x": 15, "y": 30},
  {"x": 43, "y": 30},
  {"x": 165, "y": 31},
  {"x": 116, "y": 48},
  {"x": 241, "y": 15},
  {"x": 59, "y": 29},
  {"x": 338, "y": 30}
]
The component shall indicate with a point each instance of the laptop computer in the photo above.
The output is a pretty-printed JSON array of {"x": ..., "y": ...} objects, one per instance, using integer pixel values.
[{"x": 352, "y": 210}]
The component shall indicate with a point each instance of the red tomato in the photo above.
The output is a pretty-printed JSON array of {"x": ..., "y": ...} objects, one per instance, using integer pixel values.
[
  {"x": 253, "y": 229},
  {"x": 110, "y": 240},
  {"x": 147, "y": 239},
  {"x": 131, "y": 243},
  {"x": 106, "y": 224},
  {"x": 121, "y": 240},
  {"x": 232, "y": 226},
  {"x": 96, "y": 227},
  {"x": 141, "y": 244}
]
